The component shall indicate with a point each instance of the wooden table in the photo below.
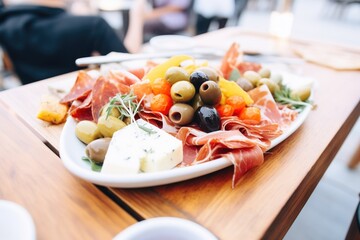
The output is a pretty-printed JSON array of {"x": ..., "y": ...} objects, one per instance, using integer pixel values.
[{"x": 269, "y": 197}]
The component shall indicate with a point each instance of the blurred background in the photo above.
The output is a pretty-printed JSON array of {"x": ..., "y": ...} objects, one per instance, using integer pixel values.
[{"x": 328, "y": 213}]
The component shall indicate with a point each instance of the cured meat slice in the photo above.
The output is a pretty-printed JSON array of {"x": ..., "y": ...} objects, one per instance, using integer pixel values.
[
  {"x": 81, "y": 89},
  {"x": 243, "y": 152},
  {"x": 264, "y": 100},
  {"x": 243, "y": 160},
  {"x": 160, "y": 120},
  {"x": 248, "y": 66},
  {"x": 82, "y": 111},
  {"x": 287, "y": 115},
  {"x": 232, "y": 139},
  {"x": 230, "y": 60},
  {"x": 103, "y": 90},
  {"x": 124, "y": 77},
  {"x": 270, "y": 109},
  {"x": 264, "y": 131}
]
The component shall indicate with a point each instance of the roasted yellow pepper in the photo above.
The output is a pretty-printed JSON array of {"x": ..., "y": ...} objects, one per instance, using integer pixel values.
[
  {"x": 230, "y": 88},
  {"x": 160, "y": 70}
]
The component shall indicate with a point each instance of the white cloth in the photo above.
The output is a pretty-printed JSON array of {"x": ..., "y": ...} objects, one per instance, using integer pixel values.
[{"x": 215, "y": 8}]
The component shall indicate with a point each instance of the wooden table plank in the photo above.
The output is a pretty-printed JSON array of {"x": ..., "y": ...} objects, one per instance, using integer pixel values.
[{"x": 62, "y": 206}]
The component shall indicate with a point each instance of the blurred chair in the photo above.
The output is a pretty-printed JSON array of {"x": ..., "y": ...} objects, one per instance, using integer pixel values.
[
  {"x": 355, "y": 159},
  {"x": 354, "y": 229},
  {"x": 339, "y": 7}
]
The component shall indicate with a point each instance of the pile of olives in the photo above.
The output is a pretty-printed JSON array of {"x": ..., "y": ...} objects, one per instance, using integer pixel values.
[
  {"x": 252, "y": 79},
  {"x": 195, "y": 96}
]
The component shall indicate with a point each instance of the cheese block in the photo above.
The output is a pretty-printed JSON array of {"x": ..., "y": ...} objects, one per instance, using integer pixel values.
[{"x": 142, "y": 147}]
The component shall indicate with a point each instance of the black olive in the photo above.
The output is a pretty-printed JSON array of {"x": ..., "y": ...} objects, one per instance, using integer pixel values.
[
  {"x": 207, "y": 118},
  {"x": 197, "y": 78}
]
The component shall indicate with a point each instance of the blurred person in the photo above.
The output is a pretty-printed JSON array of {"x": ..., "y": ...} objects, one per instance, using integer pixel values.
[
  {"x": 208, "y": 11},
  {"x": 240, "y": 6},
  {"x": 43, "y": 40},
  {"x": 167, "y": 17}
]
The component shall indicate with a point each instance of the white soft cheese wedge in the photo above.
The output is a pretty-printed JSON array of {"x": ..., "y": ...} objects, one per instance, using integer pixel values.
[{"x": 133, "y": 150}]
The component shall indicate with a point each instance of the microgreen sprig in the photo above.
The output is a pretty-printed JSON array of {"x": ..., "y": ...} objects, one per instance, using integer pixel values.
[
  {"x": 283, "y": 96},
  {"x": 128, "y": 106}
]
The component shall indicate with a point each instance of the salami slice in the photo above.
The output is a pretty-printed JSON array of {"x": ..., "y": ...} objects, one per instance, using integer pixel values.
[
  {"x": 81, "y": 89},
  {"x": 103, "y": 90},
  {"x": 82, "y": 111}
]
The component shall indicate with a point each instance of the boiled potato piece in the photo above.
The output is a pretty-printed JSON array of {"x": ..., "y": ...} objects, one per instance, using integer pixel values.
[
  {"x": 51, "y": 110},
  {"x": 87, "y": 131},
  {"x": 109, "y": 125}
]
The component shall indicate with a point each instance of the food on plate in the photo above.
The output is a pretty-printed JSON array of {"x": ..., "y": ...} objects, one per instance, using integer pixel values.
[
  {"x": 207, "y": 118},
  {"x": 181, "y": 113},
  {"x": 108, "y": 125},
  {"x": 97, "y": 149},
  {"x": 175, "y": 74},
  {"x": 182, "y": 91},
  {"x": 135, "y": 149},
  {"x": 87, "y": 131},
  {"x": 210, "y": 93},
  {"x": 51, "y": 110}
]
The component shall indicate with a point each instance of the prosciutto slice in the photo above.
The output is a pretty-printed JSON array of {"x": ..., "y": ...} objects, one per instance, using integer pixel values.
[
  {"x": 243, "y": 152},
  {"x": 160, "y": 120},
  {"x": 124, "y": 77},
  {"x": 243, "y": 160}
]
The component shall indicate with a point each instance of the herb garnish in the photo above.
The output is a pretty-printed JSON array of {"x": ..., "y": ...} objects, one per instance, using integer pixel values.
[
  {"x": 283, "y": 96},
  {"x": 94, "y": 166},
  {"x": 128, "y": 106}
]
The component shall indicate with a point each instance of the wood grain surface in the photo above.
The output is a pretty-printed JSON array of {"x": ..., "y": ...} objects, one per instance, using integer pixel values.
[
  {"x": 62, "y": 206},
  {"x": 269, "y": 198}
]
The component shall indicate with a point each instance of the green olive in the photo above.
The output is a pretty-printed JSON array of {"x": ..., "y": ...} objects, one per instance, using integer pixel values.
[
  {"x": 245, "y": 84},
  {"x": 210, "y": 93},
  {"x": 127, "y": 120},
  {"x": 181, "y": 113},
  {"x": 271, "y": 84},
  {"x": 210, "y": 72},
  {"x": 265, "y": 73},
  {"x": 96, "y": 150},
  {"x": 196, "y": 102},
  {"x": 277, "y": 78},
  {"x": 114, "y": 111},
  {"x": 108, "y": 125},
  {"x": 182, "y": 91},
  {"x": 176, "y": 74},
  {"x": 252, "y": 76},
  {"x": 302, "y": 93},
  {"x": 87, "y": 131}
]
